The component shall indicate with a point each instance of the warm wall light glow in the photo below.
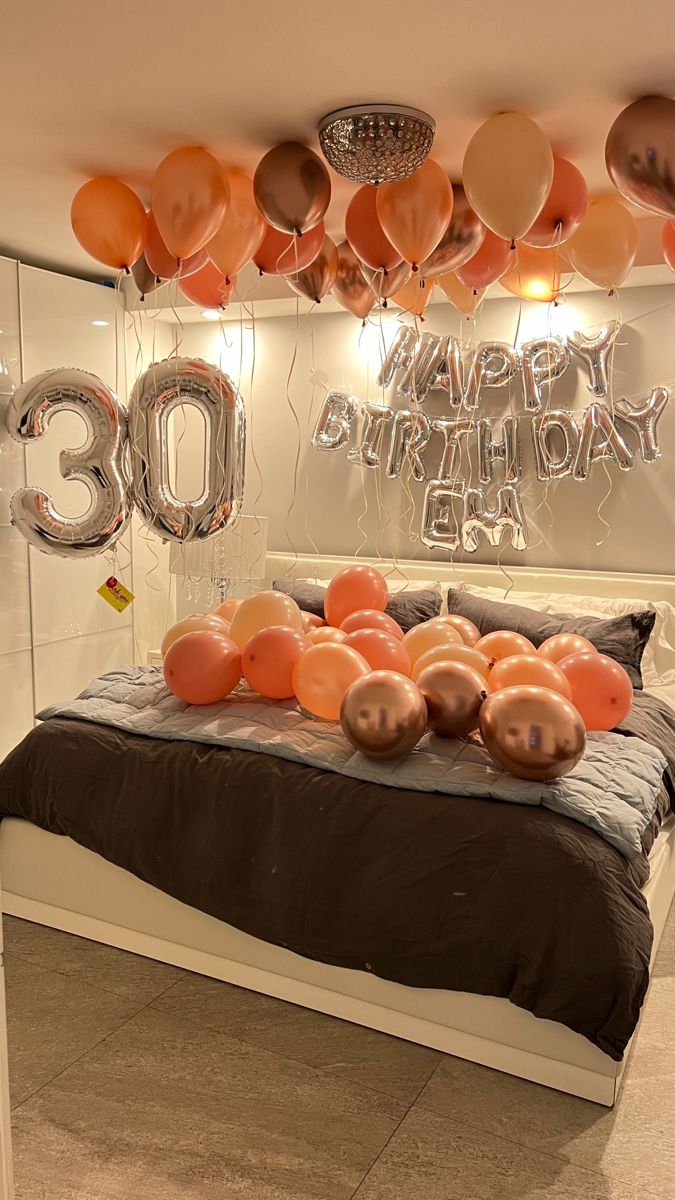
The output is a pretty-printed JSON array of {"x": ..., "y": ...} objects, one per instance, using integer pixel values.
[
  {"x": 549, "y": 320},
  {"x": 374, "y": 339},
  {"x": 235, "y": 351},
  {"x": 538, "y": 289},
  {"x": 100, "y": 322},
  {"x": 211, "y": 314}
]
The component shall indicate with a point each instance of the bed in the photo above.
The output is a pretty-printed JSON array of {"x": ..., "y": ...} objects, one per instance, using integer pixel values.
[{"x": 56, "y": 881}]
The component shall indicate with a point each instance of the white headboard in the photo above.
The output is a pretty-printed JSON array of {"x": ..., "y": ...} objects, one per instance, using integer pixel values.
[{"x": 530, "y": 579}]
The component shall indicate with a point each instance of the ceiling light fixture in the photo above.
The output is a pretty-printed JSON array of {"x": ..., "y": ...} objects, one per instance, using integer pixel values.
[
  {"x": 376, "y": 143},
  {"x": 211, "y": 314},
  {"x": 100, "y": 322}
]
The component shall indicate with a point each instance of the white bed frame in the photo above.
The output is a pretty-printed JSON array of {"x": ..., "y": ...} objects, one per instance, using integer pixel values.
[{"x": 53, "y": 881}]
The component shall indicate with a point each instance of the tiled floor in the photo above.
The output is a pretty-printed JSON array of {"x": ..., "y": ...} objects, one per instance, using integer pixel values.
[{"x": 134, "y": 1081}]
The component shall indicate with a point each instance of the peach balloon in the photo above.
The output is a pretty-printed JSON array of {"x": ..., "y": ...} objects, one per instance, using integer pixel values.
[
  {"x": 212, "y": 622},
  {"x": 423, "y": 637},
  {"x": 415, "y": 212},
  {"x": 311, "y": 621},
  {"x": 242, "y": 228},
  {"x": 382, "y": 651},
  {"x": 326, "y": 633},
  {"x": 163, "y": 264},
  {"x": 207, "y": 287},
  {"x": 464, "y": 299},
  {"x": 529, "y": 669},
  {"x": 453, "y": 652},
  {"x": 109, "y": 222},
  {"x": 507, "y": 173},
  {"x": 227, "y": 609},
  {"x": 372, "y": 618},
  {"x": 269, "y": 659},
  {"x": 564, "y": 209},
  {"x": 488, "y": 264},
  {"x": 535, "y": 275},
  {"x": 469, "y": 632},
  {"x": 561, "y": 645},
  {"x": 283, "y": 253},
  {"x": 202, "y": 667},
  {"x": 322, "y": 676},
  {"x": 365, "y": 234},
  {"x": 415, "y": 295},
  {"x": 502, "y": 643},
  {"x": 601, "y": 689},
  {"x": 261, "y": 612},
  {"x": 668, "y": 243},
  {"x": 190, "y": 196},
  {"x": 354, "y": 588},
  {"x": 604, "y": 247}
]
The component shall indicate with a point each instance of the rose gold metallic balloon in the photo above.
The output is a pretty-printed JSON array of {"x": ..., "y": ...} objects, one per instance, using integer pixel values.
[
  {"x": 532, "y": 732},
  {"x": 318, "y": 278},
  {"x": 383, "y": 715},
  {"x": 640, "y": 154},
  {"x": 351, "y": 288},
  {"x": 386, "y": 284},
  {"x": 454, "y": 693},
  {"x": 292, "y": 187},
  {"x": 463, "y": 236}
]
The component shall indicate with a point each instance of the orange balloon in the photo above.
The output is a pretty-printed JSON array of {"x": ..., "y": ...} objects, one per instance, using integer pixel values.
[
  {"x": 382, "y": 651},
  {"x": 283, "y": 253},
  {"x": 190, "y": 196},
  {"x": 262, "y": 611},
  {"x": 326, "y": 633},
  {"x": 208, "y": 287},
  {"x": 507, "y": 173},
  {"x": 415, "y": 212},
  {"x": 311, "y": 621},
  {"x": 163, "y": 264},
  {"x": 564, "y": 209},
  {"x": 453, "y": 652},
  {"x": 227, "y": 609},
  {"x": 560, "y": 645},
  {"x": 601, "y": 690},
  {"x": 269, "y": 660},
  {"x": 488, "y": 264},
  {"x": 352, "y": 589},
  {"x": 469, "y": 632},
  {"x": 242, "y": 228},
  {"x": 202, "y": 667},
  {"x": 423, "y": 637},
  {"x": 502, "y": 643},
  {"x": 535, "y": 275},
  {"x": 414, "y": 296},
  {"x": 109, "y": 222},
  {"x": 322, "y": 676},
  {"x": 604, "y": 247},
  {"x": 372, "y": 618},
  {"x": 212, "y": 622},
  {"x": 465, "y": 299},
  {"x": 365, "y": 234},
  {"x": 668, "y": 243},
  {"x": 529, "y": 669}
]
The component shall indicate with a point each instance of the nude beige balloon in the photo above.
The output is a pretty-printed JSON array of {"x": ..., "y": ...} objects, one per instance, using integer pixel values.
[
  {"x": 190, "y": 195},
  {"x": 604, "y": 247},
  {"x": 423, "y": 637},
  {"x": 210, "y": 622},
  {"x": 464, "y": 299},
  {"x": 507, "y": 174},
  {"x": 414, "y": 296},
  {"x": 261, "y": 612}
]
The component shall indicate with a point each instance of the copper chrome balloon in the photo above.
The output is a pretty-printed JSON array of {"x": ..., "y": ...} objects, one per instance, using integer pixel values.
[
  {"x": 464, "y": 235},
  {"x": 640, "y": 154},
  {"x": 532, "y": 732},
  {"x": 383, "y": 715},
  {"x": 454, "y": 693}
]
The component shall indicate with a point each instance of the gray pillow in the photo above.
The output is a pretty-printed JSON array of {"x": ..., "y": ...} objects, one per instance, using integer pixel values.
[
  {"x": 408, "y": 607},
  {"x": 623, "y": 638}
]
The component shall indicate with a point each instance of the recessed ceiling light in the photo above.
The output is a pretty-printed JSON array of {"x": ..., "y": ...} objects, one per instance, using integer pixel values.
[
  {"x": 100, "y": 322},
  {"x": 211, "y": 314}
]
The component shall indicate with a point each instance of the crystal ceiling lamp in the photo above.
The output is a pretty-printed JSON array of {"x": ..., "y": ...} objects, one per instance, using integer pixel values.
[{"x": 376, "y": 143}]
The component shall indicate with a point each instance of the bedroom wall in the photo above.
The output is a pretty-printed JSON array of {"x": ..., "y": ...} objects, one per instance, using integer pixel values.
[{"x": 343, "y": 514}]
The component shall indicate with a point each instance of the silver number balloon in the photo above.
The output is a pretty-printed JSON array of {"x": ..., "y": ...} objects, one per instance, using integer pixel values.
[
  {"x": 334, "y": 422},
  {"x": 600, "y": 439},
  {"x": 506, "y": 449},
  {"x": 157, "y": 393},
  {"x": 375, "y": 417},
  {"x": 494, "y": 365},
  {"x": 398, "y": 356},
  {"x": 440, "y": 527},
  {"x": 643, "y": 419},
  {"x": 98, "y": 463},
  {"x": 453, "y": 433},
  {"x": 544, "y": 360},
  {"x": 409, "y": 436},
  {"x": 594, "y": 354},
  {"x": 506, "y": 516},
  {"x": 545, "y": 426}
]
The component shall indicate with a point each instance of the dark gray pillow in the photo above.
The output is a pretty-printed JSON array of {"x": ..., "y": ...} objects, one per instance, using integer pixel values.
[
  {"x": 622, "y": 638},
  {"x": 408, "y": 607}
]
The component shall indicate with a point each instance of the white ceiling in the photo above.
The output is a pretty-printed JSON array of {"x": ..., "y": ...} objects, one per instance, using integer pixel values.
[{"x": 91, "y": 88}]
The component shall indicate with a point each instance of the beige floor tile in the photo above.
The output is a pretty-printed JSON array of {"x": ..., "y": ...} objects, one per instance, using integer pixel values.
[
  {"x": 51, "y": 1021},
  {"x": 163, "y": 1110},
  {"x": 431, "y": 1158},
  {"x": 105, "y": 967},
  {"x": 385, "y": 1063}
]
